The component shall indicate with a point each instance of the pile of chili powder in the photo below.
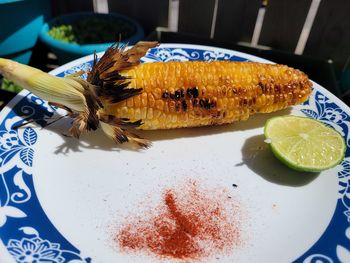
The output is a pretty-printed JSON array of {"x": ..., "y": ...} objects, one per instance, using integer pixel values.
[{"x": 191, "y": 223}]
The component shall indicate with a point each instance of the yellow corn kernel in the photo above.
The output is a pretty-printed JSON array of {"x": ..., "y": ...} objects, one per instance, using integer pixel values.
[{"x": 150, "y": 114}]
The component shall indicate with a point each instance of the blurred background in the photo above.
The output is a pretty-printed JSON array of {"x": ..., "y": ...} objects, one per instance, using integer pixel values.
[{"x": 311, "y": 35}]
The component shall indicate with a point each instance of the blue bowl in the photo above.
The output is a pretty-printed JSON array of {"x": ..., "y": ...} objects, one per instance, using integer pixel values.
[
  {"x": 21, "y": 22},
  {"x": 68, "y": 51}
]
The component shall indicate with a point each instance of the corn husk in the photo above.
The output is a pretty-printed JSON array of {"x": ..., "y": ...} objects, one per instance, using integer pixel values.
[
  {"x": 65, "y": 91},
  {"x": 85, "y": 100}
]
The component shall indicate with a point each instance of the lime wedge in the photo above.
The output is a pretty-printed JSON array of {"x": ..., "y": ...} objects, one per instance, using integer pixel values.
[{"x": 304, "y": 144}]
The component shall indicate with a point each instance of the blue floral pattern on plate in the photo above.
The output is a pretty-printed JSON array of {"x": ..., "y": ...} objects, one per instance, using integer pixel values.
[{"x": 28, "y": 234}]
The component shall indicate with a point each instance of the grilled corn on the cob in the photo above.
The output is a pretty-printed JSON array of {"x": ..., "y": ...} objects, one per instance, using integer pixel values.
[
  {"x": 187, "y": 94},
  {"x": 120, "y": 93}
]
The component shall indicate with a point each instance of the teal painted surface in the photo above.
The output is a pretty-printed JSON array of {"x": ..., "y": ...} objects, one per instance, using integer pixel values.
[
  {"x": 9, "y": 1},
  {"x": 21, "y": 22},
  {"x": 23, "y": 57}
]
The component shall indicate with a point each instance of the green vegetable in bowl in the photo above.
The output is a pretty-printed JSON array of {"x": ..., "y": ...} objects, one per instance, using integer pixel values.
[
  {"x": 9, "y": 85},
  {"x": 93, "y": 31},
  {"x": 63, "y": 33}
]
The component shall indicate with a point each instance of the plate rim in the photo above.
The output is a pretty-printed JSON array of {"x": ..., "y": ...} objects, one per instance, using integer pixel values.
[{"x": 24, "y": 93}]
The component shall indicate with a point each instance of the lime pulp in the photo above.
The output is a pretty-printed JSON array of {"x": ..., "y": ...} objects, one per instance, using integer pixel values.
[{"x": 304, "y": 144}]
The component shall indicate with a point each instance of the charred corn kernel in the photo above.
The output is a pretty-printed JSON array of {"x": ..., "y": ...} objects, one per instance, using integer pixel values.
[
  {"x": 159, "y": 105},
  {"x": 157, "y": 92},
  {"x": 131, "y": 112},
  {"x": 137, "y": 113},
  {"x": 130, "y": 103},
  {"x": 124, "y": 111},
  {"x": 172, "y": 106},
  {"x": 156, "y": 113},
  {"x": 137, "y": 101},
  {"x": 150, "y": 114},
  {"x": 151, "y": 101},
  {"x": 122, "y": 104},
  {"x": 144, "y": 113},
  {"x": 214, "y": 92},
  {"x": 174, "y": 118},
  {"x": 144, "y": 99}
]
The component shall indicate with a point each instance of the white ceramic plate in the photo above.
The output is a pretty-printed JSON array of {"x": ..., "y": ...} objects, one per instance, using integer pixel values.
[{"x": 60, "y": 196}]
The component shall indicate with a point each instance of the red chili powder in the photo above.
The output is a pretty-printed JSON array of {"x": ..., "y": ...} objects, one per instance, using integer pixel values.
[{"x": 190, "y": 223}]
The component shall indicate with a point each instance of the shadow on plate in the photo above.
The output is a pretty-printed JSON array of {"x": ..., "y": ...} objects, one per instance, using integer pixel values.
[
  {"x": 97, "y": 140},
  {"x": 260, "y": 159}
]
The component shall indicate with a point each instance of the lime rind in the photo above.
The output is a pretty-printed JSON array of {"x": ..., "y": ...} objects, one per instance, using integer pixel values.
[{"x": 285, "y": 159}]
